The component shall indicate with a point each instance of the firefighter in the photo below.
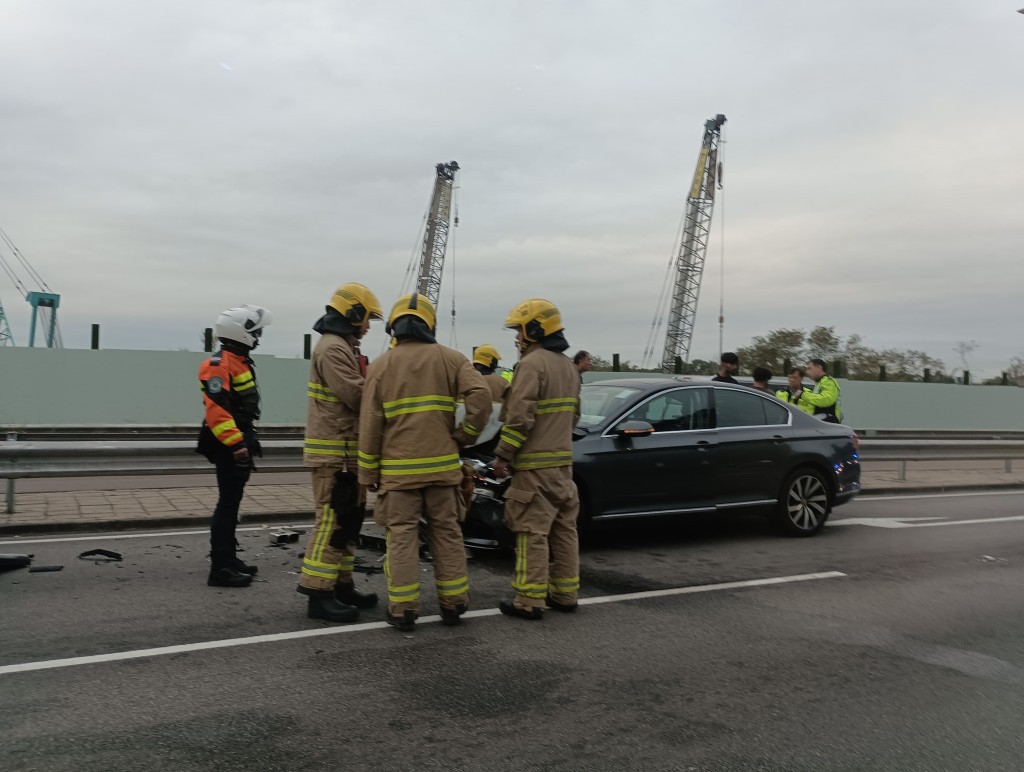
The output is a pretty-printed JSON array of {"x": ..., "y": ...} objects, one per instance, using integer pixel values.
[
  {"x": 409, "y": 456},
  {"x": 335, "y": 388},
  {"x": 541, "y": 503},
  {"x": 485, "y": 362},
  {"x": 231, "y": 399}
]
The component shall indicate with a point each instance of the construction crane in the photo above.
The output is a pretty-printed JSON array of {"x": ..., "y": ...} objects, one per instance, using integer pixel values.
[
  {"x": 44, "y": 302},
  {"x": 435, "y": 237},
  {"x": 688, "y": 259}
]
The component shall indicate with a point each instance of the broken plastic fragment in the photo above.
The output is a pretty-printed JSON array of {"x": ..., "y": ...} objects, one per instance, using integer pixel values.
[{"x": 101, "y": 554}]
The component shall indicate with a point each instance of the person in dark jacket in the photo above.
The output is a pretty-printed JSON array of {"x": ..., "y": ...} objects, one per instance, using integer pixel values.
[
  {"x": 728, "y": 366},
  {"x": 231, "y": 400}
]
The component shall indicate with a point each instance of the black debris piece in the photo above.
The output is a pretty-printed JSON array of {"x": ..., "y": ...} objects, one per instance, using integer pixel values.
[
  {"x": 11, "y": 560},
  {"x": 100, "y": 555},
  {"x": 44, "y": 569}
]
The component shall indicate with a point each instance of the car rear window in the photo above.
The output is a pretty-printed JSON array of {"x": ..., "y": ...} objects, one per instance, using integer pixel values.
[{"x": 738, "y": 408}]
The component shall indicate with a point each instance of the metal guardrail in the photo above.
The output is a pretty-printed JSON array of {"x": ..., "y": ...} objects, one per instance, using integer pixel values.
[
  {"x": 145, "y": 457},
  {"x": 21, "y": 460},
  {"x": 905, "y": 451}
]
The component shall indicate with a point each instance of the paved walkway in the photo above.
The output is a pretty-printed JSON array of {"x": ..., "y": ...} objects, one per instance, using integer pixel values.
[{"x": 99, "y": 509}]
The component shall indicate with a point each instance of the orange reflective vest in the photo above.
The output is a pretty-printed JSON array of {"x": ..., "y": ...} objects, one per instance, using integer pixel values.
[{"x": 231, "y": 397}]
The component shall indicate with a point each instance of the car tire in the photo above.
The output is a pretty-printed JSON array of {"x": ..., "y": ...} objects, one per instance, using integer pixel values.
[{"x": 804, "y": 504}]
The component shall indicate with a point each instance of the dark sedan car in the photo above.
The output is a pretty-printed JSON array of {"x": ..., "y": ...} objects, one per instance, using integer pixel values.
[{"x": 649, "y": 447}]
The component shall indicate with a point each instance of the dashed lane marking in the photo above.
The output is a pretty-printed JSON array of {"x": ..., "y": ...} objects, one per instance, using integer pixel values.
[{"x": 346, "y": 629}]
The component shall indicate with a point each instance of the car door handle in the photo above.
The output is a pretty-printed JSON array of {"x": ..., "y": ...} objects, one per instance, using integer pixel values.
[
  {"x": 778, "y": 438},
  {"x": 703, "y": 445}
]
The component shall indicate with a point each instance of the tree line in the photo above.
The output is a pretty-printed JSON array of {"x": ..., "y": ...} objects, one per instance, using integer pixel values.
[{"x": 847, "y": 357}]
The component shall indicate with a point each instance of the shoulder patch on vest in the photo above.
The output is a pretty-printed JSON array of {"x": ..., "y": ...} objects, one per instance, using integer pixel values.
[{"x": 214, "y": 385}]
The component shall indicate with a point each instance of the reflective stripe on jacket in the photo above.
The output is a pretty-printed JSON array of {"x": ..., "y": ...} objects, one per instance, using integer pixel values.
[
  {"x": 407, "y": 433},
  {"x": 824, "y": 399},
  {"x": 231, "y": 398},
  {"x": 786, "y": 396},
  {"x": 541, "y": 408},
  {"x": 335, "y": 390}
]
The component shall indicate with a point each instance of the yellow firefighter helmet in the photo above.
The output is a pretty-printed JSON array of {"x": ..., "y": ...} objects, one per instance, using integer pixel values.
[
  {"x": 416, "y": 305},
  {"x": 486, "y": 355},
  {"x": 535, "y": 318},
  {"x": 356, "y": 303}
]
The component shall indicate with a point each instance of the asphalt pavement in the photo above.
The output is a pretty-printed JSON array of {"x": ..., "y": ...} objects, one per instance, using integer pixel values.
[{"x": 890, "y": 641}]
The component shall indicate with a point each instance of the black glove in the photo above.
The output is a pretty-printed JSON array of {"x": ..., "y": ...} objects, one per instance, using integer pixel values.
[
  {"x": 243, "y": 467},
  {"x": 345, "y": 503}
]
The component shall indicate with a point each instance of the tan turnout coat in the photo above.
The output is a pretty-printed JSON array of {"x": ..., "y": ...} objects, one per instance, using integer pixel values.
[{"x": 407, "y": 433}]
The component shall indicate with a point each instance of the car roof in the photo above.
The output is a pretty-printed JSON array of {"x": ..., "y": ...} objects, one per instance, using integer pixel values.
[{"x": 654, "y": 384}]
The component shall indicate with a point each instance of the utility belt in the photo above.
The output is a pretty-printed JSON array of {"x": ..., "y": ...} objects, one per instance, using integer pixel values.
[
  {"x": 212, "y": 449},
  {"x": 831, "y": 417}
]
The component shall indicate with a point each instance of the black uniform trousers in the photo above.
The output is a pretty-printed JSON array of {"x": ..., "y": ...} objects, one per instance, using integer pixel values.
[{"x": 230, "y": 487}]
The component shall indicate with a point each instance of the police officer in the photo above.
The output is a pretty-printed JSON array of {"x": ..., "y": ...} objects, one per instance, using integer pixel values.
[
  {"x": 824, "y": 398},
  {"x": 231, "y": 399},
  {"x": 409, "y": 455},
  {"x": 541, "y": 503},
  {"x": 794, "y": 389},
  {"x": 335, "y": 389}
]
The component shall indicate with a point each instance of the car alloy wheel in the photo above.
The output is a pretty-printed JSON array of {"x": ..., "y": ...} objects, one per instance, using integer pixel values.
[{"x": 805, "y": 506}]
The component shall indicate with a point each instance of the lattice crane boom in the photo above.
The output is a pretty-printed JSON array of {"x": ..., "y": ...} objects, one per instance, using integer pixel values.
[
  {"x": 44, "y": 302},
  {"x": 693, "y": 247},
  {"x": 435, "y": 237}
]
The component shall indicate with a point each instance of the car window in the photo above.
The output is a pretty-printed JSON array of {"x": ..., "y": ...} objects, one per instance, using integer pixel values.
[
  {"x": 598, "y": 403},
  {"x": 675, "y": 411},
  {"x": 775, "y": 413},
  {"x": 737, "y": 408}
]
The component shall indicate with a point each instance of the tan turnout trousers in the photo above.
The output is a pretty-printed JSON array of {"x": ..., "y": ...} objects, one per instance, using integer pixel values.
[
  {"x": 399, "y": 512},
  {"x": 541, "y": 508},
  {"x": 327, "y": 562}
]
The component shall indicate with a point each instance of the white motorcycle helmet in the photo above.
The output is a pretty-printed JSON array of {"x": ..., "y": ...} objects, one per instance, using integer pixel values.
[{"x": 243, "y": 325}]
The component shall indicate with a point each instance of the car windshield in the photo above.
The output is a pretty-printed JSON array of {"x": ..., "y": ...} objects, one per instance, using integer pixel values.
[{"x": 599, "y": 403}]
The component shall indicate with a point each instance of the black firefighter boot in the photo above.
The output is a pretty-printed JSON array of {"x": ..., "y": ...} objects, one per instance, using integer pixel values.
[
  {"x": 323, "y": 605},
  {"x": 228, "y": 577},
  {"x": 350, "y": 596}
]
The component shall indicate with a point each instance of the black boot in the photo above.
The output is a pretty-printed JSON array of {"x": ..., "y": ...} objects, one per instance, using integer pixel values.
[
  {"x": 565, "y": 608},
  {"x": 323, "y": 605},
  {"x": 350, "y": 596},
  {"x": 452, "y": 616},
  {"x": 228, "y": 577},
  {"x": 405, "y": 623},
  {"x": 510, "y": 609},
  {"x": 244, "y": 568}
]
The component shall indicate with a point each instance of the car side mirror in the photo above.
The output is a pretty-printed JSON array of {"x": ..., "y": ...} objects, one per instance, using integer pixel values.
[{"x": 634, "y": 429}]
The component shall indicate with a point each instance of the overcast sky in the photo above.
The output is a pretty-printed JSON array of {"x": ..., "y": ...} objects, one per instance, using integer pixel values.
[{"x": 165, "y": 160}]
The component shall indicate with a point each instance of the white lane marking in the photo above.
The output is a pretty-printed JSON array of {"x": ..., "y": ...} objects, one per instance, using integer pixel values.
[
  {"x": 906, "y": 522},
  {"x": 867, "y": 497},
  {"x": 489, "y": 612}
]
